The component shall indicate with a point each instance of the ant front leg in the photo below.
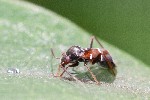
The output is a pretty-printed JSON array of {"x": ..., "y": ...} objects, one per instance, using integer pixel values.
[
  {"x": 70, "y": 74},
  {"x": 63, "y": 71},
  {"x": 73, "y": 65},
  {"x": 58, "y": 71}
]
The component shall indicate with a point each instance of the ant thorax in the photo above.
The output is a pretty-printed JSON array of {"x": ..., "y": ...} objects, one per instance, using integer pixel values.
[{"x": 74, "y": 52}]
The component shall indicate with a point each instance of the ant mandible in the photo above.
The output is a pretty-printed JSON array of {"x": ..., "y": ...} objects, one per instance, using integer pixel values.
[{"x": 76, "y": 54}]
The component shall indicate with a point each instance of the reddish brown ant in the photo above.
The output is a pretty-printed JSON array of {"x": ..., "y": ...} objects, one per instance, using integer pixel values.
[{"x": 76, "y": 54}]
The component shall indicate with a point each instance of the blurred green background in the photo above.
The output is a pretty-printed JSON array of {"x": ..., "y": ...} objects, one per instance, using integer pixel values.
[
  {"x": 123, "y": 23},
  {"x": 27, "y": 32}
]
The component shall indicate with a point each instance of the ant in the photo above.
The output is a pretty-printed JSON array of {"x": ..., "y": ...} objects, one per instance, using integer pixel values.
[{"x": 76, "y": 54}]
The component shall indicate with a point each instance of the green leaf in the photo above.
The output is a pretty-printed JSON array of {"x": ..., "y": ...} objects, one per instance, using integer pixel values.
[{"x": 27, "y": 32}]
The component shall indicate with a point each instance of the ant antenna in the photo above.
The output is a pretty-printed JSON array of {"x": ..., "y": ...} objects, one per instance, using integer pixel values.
[
  {"x": 53, "y": 55},
  {"x": 52, "y": 52}
]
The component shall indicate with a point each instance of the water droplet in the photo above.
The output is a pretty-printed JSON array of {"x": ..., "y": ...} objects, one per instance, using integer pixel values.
[{"x": 13, "y": 70}]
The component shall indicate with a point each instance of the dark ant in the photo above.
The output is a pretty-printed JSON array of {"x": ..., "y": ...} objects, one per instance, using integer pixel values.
[{"x": 76, "y": 54}]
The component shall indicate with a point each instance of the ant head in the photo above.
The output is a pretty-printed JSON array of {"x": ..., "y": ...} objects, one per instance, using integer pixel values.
[{"x": 65, "y": 59}]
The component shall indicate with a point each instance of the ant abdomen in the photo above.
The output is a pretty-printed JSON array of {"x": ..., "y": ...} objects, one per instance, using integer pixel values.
[{"x": 104, "y": 64}]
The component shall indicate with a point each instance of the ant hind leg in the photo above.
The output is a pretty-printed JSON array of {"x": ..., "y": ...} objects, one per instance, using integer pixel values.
[
  {"x": 93, "y": 76},
  {"x": 91, "y": 43}
]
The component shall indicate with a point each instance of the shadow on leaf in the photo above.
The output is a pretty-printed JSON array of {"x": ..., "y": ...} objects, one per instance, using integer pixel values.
[{"x": 102, "y": 74}]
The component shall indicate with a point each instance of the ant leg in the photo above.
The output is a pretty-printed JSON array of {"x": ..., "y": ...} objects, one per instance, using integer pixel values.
[
  {"x": 91, "y": 43},
  {"x": 98, "y": 42},
  {"x": 63, "y": 72},
  {"x": 94, "y": 77},
  {"x": 58, "y": 71},
  {"x": 73, "y": 65},
  {"x": 71, "y": 75}
]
